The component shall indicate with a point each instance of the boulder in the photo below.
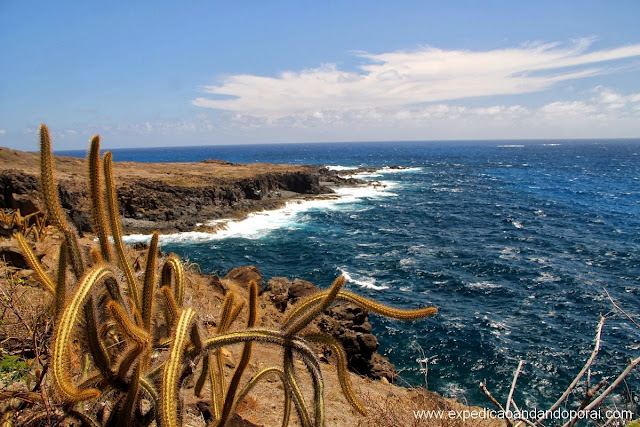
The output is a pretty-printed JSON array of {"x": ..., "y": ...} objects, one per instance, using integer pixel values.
[
  {"x": 216, "y": 284},
  {"x": 301, "y": 288},
  {"x": 243, "y": 275},
  {"x": 26, "y": 203},
  {"x": 11, "y": 253},
  {"x": 278, "y": 290}
]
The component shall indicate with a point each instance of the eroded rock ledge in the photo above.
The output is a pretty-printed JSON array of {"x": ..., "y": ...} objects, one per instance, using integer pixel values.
[{"x": 167, "y": 197}]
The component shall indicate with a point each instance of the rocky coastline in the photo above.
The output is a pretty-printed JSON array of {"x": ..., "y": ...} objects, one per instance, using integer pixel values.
[
  {"x": 189, "y": 198},
  {"x": 169, "y": 197}
]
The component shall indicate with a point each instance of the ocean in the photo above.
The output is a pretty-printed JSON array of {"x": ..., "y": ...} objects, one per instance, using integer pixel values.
[{"x": 513, "y": 241}]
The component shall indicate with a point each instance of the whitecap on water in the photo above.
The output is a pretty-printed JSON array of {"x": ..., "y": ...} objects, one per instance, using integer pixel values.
[
  {"x": 546, "y": 277},
  {"x": 483, "y": 285},
  {"x": 362, "y": 281},
  {"x": 341, "y": 168},
  {"x": 387, "y": 169}
]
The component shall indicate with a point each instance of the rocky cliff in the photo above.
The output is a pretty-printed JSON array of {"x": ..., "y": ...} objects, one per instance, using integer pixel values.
[{"x": 166, "y": 196}]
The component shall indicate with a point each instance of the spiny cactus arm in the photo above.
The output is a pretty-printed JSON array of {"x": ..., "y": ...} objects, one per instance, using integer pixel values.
[
  {"x": 254, "y": 381},
  {"x": 173, "y": 266},
  {"x": 125, "y": 417},
  {"x": 75, "y": 256},
  {"x": 85, "y": 420},
  {"x": 168, "y": 394},
  {"x": 368, "y": 304},
  {"x": 149, "y": 287},
  {"x": 198, "y": 344},
  {"x": 156, "y": 370},
  {"x": 244, "y": 358},
  {"x": 62, "y": 337},
  {"x": 95, "y": 256},
  {"x": 96, "y": 379},
  {"x": 278, "y": 338},
  {"x": 225, "y": 312},
  {"x": 262, "y": 335},
  {"x": 51, "y": 200},
  {"x": 47, "y": 182},
  {"x": 216, "y": 371},
  {"x": 216, "y": 384},
  {"x": 137, "y": 316},
  {"x": 343, "y": 372},
  {"x": 98, "y": 349},
  {"x": 35, "y": 265},
  {"x": 171, "y": 309},
  {"x": 137, "y": 335},
  {"x": 219, "y": 376},
  {"x": 235, "y": 312},
  {"x": 296, "y": 325},
  {"x": 107, "y": 329},
  {"x": 202, "y": 378},
  {"x": 116, "y": 229},
  {"x": 385, "y": 310},
  {"x": 61, "y": 285},
  {"x": 113, "y": 288},
  {"x": 196, "y": 337},
  {"x": 291, "y": 384},
  {"x": 148, "y": 386},
  {"x": 96, "y": 197}
]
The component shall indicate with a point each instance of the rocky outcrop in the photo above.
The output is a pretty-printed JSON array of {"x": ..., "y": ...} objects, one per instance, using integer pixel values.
[
  {"x": 242, "y": 276},
  {"x": 345, "y": 321},
  {"x": 147, "y": 205}
]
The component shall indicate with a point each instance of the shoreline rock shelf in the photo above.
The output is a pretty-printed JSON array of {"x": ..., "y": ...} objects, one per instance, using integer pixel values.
[{"x": 169, "y": 197}]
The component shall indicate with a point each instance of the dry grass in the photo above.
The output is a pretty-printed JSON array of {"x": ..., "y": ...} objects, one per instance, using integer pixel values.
[{"x": 400, "y": 406}]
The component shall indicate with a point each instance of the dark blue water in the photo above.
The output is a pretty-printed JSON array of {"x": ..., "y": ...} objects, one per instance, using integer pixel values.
[{"x": 513, "y": 242}]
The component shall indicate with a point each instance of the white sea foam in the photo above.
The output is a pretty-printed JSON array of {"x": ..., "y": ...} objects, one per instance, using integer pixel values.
[
  {"x": 483, "y": 285},
  {"x": 387, "y": 169},
  {"x": 511, "y": 146},
  {"x": 365, "y": 175},
  {"x": 382, "y": 171},
  {"x": 341, "y": 168},
  {"x": 362, "y": 281},
  {"x": 258, "y": 224}
]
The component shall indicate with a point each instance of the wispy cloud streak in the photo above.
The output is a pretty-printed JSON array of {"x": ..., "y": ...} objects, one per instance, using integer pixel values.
[{"x": 404, "y": 78}]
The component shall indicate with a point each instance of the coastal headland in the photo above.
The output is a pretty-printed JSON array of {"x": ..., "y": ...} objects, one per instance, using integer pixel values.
[{"x": 169, "y": 197}]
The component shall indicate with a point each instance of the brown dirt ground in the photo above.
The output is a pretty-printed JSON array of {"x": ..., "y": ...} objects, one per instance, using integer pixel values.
[{"x": 186, "y": 174}]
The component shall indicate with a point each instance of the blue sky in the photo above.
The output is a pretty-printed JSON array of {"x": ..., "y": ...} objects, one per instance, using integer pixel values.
[{"x": 209, "y": 72}]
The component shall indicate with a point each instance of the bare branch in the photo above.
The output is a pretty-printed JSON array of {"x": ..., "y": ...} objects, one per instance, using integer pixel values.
[
  {"x": 513, "y": 384},
  {"x": 486, "y": 392},
  {"x": 621, "y": 310},
  {"x": 585, "y": 368},
  {"x": 615, "y": 384}
]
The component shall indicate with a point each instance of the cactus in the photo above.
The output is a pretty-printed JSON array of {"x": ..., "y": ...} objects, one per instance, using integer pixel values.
[{"x": 119, "y": 325}]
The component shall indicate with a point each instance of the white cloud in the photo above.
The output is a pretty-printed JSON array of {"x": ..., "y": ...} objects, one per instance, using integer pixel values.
[
  {"x": 568, "y": 108},
  {"x": 399, "y": 79},
  {"x": 2, "y": 131},
  {"x": 589, "y": 118},
  {"x": 614, "y": 100}
]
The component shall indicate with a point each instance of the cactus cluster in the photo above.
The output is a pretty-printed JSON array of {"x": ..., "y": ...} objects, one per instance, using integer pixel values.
[
  {"x": 34, "y": 224},
  {"x": 112, "y": 312}
]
